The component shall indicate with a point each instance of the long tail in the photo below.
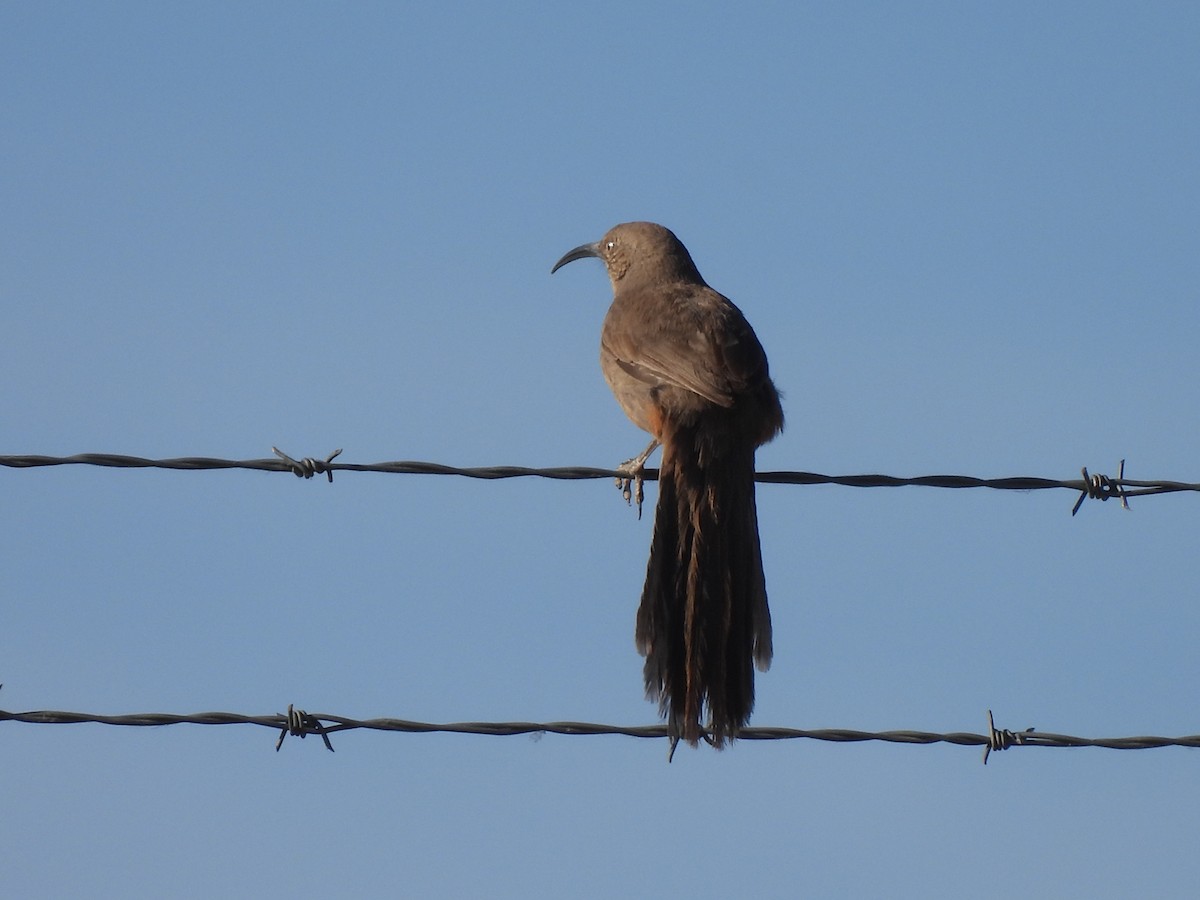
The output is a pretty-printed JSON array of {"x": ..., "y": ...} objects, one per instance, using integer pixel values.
[{"x": 703, "y": 622}]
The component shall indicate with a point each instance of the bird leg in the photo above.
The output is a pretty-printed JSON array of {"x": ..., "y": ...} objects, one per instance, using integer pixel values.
[{"x": 632, "y": 471}]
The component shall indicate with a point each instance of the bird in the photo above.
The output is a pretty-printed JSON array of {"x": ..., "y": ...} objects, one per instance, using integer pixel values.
[{"x": 685, "y": 366}]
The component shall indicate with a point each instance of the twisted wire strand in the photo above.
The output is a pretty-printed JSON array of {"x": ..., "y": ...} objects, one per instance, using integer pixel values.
[
  {"x": 299, "y": 723},
  {"x": 1100, "y": 487}
]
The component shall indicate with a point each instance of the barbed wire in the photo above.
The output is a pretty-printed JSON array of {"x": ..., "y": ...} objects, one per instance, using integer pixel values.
[
  {"x": 298, "y": 723},
  {"x": 1094, "y": 486}
]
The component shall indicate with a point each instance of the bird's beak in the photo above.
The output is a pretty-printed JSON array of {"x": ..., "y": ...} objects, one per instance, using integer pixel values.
[{"x": 578, "y": 253}]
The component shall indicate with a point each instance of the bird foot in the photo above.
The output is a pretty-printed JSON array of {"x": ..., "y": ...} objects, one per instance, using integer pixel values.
[
  {"x": 630, "y": 481},
  {"x": 631, "y": 476}
]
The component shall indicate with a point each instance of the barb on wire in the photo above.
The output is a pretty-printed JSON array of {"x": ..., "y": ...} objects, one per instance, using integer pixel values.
[
  {"x": 998, "y": 739},
  {"x": 300, "y": 723},
  {"x": 1099, "y": 487},
  {"x": 308, "y": 467}
]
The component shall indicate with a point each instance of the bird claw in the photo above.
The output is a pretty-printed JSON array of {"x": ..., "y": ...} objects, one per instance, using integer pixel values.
[
  {"x": 671, "y": 750},
  {"x": 630, "y": 481},
  {"x": 631, "y": 474}
]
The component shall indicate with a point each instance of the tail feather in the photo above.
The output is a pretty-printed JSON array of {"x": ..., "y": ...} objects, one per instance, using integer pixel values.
[{"x": 703, "y": 622}]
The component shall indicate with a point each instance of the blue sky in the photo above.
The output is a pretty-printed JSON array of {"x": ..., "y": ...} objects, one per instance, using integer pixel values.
[{"x": 967, "y": 237}]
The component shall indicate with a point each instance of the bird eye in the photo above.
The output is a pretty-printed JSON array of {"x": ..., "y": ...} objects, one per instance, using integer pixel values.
[{"x": 610, "y": 245}]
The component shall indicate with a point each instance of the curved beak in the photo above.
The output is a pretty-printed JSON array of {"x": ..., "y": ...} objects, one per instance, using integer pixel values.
[{"x": 578, "y": 253}]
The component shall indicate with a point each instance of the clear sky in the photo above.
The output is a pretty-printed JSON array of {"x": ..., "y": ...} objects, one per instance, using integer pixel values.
[{"x": 967, "y": 236}]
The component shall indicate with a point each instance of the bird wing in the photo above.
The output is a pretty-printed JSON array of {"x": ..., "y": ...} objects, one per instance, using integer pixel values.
[{"x": 696, "y": 339}]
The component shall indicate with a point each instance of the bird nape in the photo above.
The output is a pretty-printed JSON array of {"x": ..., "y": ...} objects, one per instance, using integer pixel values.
[{"x": 685, "y": 365}]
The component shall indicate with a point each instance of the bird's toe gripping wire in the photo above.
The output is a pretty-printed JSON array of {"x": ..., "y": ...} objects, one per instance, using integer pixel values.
[{"x": 632, "y": 476}]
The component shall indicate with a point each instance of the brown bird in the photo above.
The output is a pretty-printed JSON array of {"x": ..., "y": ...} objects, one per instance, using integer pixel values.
[{"x": 686, "y": 366}]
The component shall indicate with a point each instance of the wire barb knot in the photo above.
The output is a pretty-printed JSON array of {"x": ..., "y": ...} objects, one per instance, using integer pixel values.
[
  {"x": 1001, "y": 739},
  {"x": 300, "y": 724},
  {"x": 308, "y": 467},
  {"x": 1101, "y": 487}
]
